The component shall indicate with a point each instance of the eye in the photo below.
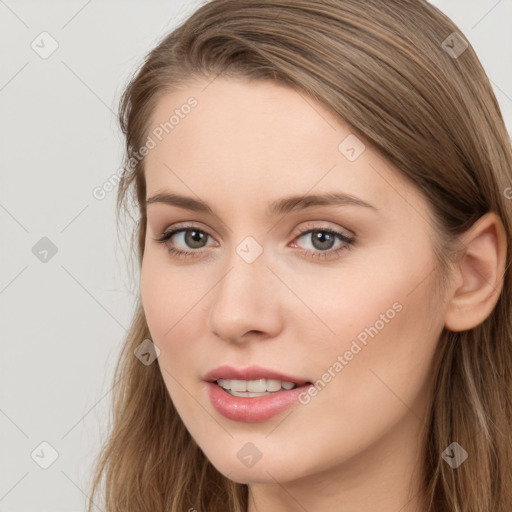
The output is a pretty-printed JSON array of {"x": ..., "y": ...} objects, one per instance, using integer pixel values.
[
  {"x": 322, "y": 242},
  {"x": 188, "y": 236}
]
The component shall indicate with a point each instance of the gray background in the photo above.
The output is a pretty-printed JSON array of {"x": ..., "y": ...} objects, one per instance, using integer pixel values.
[{"x": 63, "y": 320}]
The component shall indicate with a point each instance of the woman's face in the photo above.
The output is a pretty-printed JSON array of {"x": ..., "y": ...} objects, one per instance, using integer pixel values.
[{"x": 314, "y": 289}]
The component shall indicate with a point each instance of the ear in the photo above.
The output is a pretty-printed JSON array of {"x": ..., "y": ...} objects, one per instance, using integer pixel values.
[{"x": 479, "y": 274}]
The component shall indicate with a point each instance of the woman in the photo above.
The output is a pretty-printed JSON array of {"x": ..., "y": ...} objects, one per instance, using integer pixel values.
[{"x": 325, "y": 311}]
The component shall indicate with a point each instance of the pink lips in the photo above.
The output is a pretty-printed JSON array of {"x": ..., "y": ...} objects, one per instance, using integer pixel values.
[
  {"x": 249, "y": 373},
  {"x": 254, "y": 409}
]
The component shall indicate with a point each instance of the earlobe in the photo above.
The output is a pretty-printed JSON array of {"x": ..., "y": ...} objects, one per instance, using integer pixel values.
[{"x": 479, "y": 274}]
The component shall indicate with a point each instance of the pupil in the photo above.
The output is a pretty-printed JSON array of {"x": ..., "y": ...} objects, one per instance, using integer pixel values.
[
  {"x": 194, "y": 238},
  {"x": 322, "y": 240}
]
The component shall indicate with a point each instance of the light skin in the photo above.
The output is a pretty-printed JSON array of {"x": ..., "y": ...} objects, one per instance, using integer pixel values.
[{"x": 357, "y": 444}]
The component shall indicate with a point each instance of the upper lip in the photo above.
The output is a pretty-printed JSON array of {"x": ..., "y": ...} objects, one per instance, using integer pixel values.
[{"x": 250, "y": 373}]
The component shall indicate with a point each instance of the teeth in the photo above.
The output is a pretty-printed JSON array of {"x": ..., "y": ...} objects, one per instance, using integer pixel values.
[
  {"x": 238, "y": 385},
  {"x": 273, "y": 385},
  {"x": 254, "y": 387},
  {"x": 224, "y": 383}
]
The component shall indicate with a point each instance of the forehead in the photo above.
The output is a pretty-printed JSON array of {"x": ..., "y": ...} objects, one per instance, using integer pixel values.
[
  {"x": 257, "y": 139},
  {"x": 245, "y": 117}
]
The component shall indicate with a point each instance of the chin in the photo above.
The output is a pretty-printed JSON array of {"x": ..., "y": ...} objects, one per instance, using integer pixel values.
[{"x": 265, "y": 470}]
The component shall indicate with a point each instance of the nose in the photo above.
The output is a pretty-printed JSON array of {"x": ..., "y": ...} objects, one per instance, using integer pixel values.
[{"x": 246, "y": 302}]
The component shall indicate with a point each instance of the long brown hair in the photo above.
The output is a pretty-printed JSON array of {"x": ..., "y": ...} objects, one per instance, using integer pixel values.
[{"x": 390, "y": 70}]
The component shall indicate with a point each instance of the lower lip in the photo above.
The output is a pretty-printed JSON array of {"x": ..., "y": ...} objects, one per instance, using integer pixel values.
[{"x": 254, "y": 409}]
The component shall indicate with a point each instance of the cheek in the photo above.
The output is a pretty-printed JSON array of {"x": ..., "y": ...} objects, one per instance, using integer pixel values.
[
  {"x": 375, "y": 308},
  {"x": 372, "y": 295},
  {"x": 384, "y": 342},
  {"x": 168, "y": 294},
  {"x": 173, "y": 299},
  {"x": 169, "y": 299}
]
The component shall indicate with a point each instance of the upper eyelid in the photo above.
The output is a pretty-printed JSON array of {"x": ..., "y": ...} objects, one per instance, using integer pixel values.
[{"x": 179, "y": 229}]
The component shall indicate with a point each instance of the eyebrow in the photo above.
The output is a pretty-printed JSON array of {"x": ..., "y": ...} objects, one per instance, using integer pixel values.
[{"x": 278, "y": 207}]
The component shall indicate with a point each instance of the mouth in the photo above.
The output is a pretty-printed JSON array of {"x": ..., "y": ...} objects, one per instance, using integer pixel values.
[
  {"x": 255, "y": 388},
  {"x": 252, "y": 394},
  {"x": 253, "y": 380}
]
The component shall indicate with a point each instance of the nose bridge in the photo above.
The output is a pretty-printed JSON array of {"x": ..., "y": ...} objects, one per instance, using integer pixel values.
[
  {"x": 247, "y": 264},
  {"x": 242, "y": 300}
]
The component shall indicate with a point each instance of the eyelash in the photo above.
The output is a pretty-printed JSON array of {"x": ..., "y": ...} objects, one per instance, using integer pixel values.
[{"x": 348, "y": 242}]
